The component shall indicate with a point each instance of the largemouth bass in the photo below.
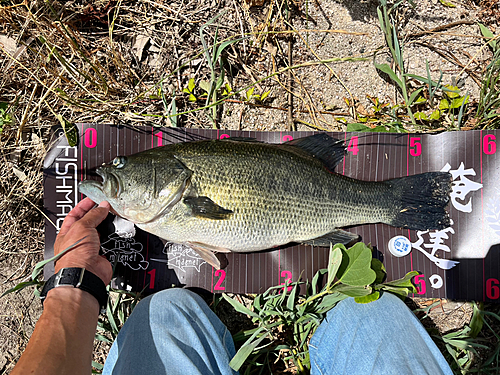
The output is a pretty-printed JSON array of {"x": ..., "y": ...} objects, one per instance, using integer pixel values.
[{"x": 243, "y": 196}]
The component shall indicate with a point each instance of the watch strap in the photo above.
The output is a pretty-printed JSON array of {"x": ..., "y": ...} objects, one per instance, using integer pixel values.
[{"x": 78, "y": 278}]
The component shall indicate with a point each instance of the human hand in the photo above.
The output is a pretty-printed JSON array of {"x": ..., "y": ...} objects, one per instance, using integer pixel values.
[{"x": 80, "y": 222}]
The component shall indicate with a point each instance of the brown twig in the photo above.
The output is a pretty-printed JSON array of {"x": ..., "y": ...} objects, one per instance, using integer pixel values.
[{"x": 441, "y": 28}]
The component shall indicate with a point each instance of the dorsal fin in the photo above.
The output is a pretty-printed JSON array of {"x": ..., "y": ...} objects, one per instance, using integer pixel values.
[{"x": 328, "y": 150}]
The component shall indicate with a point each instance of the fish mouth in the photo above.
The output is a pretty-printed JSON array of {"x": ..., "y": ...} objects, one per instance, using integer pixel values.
[
  {"x": 108, "y": 188},
  {"x": 110, "y": 185}
]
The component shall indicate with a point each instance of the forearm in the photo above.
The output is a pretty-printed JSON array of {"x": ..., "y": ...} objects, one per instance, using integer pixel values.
[{"x": 62, "y": 340}]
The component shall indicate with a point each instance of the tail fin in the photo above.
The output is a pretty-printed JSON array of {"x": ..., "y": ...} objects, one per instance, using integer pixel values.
[{"x": 421, "y": 200}]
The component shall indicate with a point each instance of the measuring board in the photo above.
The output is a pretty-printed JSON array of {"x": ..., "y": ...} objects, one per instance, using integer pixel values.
[{"x": 461, "y": 262}]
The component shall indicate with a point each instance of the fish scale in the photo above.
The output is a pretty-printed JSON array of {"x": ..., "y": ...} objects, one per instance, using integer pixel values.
[{"x": 243, "y": 196}]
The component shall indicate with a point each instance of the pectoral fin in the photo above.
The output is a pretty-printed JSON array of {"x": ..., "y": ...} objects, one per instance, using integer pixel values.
[
  {"x": 337, "y": 236},
  {"x": 205, "y": 208},
  {"x": 218, "y": 261}
]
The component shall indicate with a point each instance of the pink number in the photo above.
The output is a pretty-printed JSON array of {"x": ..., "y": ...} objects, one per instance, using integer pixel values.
[
  {"x": 90, "y": 138},
  {"x": 420, "y": 281},
  {"x": 152, "y": 275},
  {"x": 222, "y": 274},
  {"x": 287, "y": 275},
  {"x": 416, "y": 146},
  {"x": 159, "y": 135},
  {"x": 353, "y": 145},
  {"x": 287, "y": 138},
  {"x": 489, "y": 144},
  {"x": 222, "y": 136},
  {"x": 492, "y": 289}
]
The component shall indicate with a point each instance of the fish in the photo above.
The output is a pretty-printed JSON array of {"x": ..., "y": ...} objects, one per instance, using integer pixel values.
[{"x": 242, "y": 195}]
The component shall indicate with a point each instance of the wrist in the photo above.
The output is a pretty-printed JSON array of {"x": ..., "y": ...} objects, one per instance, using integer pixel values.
[
  {"x": 69, "y": 300},
  {"x": 76, "y": 278}
]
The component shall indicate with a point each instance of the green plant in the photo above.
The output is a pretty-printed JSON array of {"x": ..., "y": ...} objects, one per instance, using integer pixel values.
[
  {"x": 488, "y": 110},
  {"x": 286, "y": 320},
  {"x": 249, "y": 95},
  {"x": 5, "y": 117},
  {"x": 213, "y": 59}
]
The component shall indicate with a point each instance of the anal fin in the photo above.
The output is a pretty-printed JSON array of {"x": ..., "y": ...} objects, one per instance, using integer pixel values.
[
  {"x": 332, "y": 238},
  {"x": 218, "y": 261}
]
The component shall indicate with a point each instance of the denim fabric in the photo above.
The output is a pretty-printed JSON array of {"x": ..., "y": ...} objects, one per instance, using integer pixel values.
[
  {"x": 382, "y": 337},
  {"x": 175, "y": 332},
  {"x": 171, "y": 332}
]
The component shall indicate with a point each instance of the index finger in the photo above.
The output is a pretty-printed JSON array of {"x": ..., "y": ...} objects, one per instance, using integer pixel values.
[{"x": 76, "y": 214}]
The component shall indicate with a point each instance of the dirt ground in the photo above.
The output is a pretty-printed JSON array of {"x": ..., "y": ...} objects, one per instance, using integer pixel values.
[{"x": 102, "y": 61}]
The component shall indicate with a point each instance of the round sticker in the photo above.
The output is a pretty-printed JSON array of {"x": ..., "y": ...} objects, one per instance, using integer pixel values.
[{"x": 399, "y": 246}]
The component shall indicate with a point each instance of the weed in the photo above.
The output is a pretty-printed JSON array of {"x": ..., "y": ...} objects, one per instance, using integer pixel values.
[
  {"x": 488, "y": 110},
  {"x": 6, "y": 118},
  {"x": 286, "y": 320},
  {"x": 213, "y": 59}
]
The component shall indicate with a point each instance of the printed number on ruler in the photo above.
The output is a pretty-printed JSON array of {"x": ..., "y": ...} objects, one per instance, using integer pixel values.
[
  {"x": 492, "y": 288},
  {"x": 287, "y": 275},
  {"x": 222, "y": 136},
  {"x": 352, "y": 146},
  {"x": 489, "y": 144},
  {"x": 159, "y": 135},
  {"x": 415, "y": 146},
  {"x": 219, "y": 282},
  {"x": 287, "y": 138},
  {"x": 90, "y": 138},
  {"x": 420, "y": 282},
  {"x": 152, "y": 275}
]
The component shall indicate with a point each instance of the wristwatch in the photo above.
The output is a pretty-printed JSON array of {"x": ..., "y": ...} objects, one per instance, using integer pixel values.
[{"x": 78, "y": 278}]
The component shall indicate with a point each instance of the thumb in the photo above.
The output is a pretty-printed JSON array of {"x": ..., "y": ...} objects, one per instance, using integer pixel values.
[{"x": 95, "y": 216}]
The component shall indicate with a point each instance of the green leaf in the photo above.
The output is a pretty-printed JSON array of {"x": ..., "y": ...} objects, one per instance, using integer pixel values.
[
  {"x": 290, "y": 303},
  {"x": 458, "y": 102},
  {"x": 401, "y": 287},
  {"x": 405, "y": 282},
  {"x": 247, "y": 349},
  {"x": 358, "y": 271},
  {"x": 488, "y": 34},
  {"x": 204, "y": 85},
  {"x": 368, "y": 298},
  {"x": 265, "y": 95},
  {"x": 70, "y": 130},
  {"x": 476, "y": 322},
  {"x": 224, "y": 45},
  {"x": 192, "y": 98},
  {"x": 334, "y": 262},
  {"x": 20, "y": 287},
  {"x": 414, "y": 95},
  {"x": 249, "y": 93},
  {"x": 97, "y": 365},
  {"x": 447, "y": 4},
  {"x": 379, "y": 269},
  {"x": 191, "y": 85},
  {"x": 435, "y": 115},
  {"x": 357, "y": 127},
  {"x": 387, "y": 69},
  {"x": 329, "y": 301},
  {"x": 353, "y": 291},
  {"x": 452, "y": 92},
  {"x": 420, "y": 116},
  {"x": 443, "y": 104},
  {"x": 37, "y": 271},
  {"x": 239, "y": 307},
  {"x": 314, "y": 284}
]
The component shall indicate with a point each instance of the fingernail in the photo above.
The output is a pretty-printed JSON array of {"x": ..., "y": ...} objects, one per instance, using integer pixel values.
[{"x": 104, "y": 204}]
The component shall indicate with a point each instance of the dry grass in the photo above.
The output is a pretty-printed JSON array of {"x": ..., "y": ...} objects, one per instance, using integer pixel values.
[{"x": 123, "y": 61}]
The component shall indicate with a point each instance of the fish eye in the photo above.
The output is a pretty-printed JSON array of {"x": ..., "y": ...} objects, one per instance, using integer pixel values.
[{"x": 119, "y": 161}]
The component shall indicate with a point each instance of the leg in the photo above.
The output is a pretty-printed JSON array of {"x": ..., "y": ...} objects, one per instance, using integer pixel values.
[
  {"x": 173, "y": 330},
  {"x": 383, "y": 337}
]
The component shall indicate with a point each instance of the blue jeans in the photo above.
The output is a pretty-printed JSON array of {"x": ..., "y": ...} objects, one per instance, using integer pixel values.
[{"x": 175, "y": 332}]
